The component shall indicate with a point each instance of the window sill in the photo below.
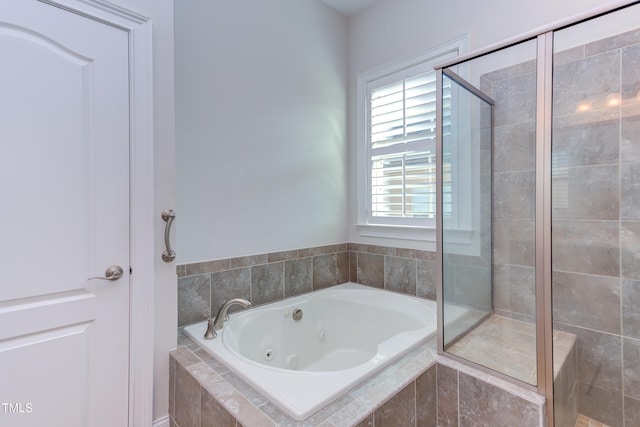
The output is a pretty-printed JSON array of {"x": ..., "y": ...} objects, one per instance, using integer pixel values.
[
  {"x": 454, "y": 236},
  {"x": 402, "y": 232},
  {"x": 461, "y": 241},
  {"x": 463, "y": 236}
]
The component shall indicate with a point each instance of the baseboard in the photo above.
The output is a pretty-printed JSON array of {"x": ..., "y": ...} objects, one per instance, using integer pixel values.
[{"x": 162, "y": 422}]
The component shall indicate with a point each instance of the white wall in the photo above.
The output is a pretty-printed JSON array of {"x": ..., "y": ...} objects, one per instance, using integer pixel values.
[
  {"x": 165, "y": 313},
  {"x": 395, "y": 29},
  {"x": 261, "y": 127}
]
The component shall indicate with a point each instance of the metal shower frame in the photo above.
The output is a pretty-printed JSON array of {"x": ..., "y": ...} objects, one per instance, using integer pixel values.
[{"x": 544, "y": 92}]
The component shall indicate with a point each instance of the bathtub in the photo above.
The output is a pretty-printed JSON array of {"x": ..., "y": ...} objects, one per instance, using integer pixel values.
[{"x": 344, "y": 334}]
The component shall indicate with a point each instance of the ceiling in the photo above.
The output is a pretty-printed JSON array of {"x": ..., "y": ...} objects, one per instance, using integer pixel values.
[{"x": 350, "y": 7}]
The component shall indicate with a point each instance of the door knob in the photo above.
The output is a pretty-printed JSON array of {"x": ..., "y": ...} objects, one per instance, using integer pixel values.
[{"x": 113, "y": 272}]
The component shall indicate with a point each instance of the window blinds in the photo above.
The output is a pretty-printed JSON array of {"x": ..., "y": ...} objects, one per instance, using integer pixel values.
[{"x": 402, "y": 132}]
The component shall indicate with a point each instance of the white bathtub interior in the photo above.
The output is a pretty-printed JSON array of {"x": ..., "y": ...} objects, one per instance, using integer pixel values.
[{"x": 346, "y": 333}]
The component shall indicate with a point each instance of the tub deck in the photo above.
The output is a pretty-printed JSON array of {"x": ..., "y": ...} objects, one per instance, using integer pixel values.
[
  {"x": 251, "y": 408},
  {"x": 348, "y": 333}
]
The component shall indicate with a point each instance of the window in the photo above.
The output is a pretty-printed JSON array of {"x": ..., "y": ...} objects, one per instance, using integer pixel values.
[
  {"x": 401, "y": 142},
  {"x": 397, "y": 158}
]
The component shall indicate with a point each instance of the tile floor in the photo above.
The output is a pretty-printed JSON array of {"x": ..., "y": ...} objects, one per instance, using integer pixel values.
[{"x": 583, "y": 421}]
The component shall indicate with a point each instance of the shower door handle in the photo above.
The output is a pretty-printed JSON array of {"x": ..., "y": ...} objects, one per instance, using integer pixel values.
[{"x": 168, "y": 215}]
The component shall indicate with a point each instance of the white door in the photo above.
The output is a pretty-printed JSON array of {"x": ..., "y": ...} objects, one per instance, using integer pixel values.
[{"x": 64, "y": 217}]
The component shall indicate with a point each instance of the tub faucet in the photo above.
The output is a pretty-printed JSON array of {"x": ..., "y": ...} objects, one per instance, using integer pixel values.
[{"x": 217, "y": 323}]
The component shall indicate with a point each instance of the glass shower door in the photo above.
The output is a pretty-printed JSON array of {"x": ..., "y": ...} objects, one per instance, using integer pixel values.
[
  {"x": 488, "y": 211},
  {"x": 502, "y": 218},
  {"x": 596, "y": 220},
  {"x": 466, "y": 207}
]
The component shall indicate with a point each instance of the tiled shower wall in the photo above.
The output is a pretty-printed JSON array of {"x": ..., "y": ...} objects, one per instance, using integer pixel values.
[
  {"x": 514, "y": 91},
  {"x": 596, "y": 222},
  {"x": 467, "y": 281},
  {"x": 596, "y": 214},
  {"x": 264, "y": 278}
]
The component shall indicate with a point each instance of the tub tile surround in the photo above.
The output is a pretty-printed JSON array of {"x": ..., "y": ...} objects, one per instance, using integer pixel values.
[
  {"x": 421, "y": 389},
  {"x": 204, "y": 286},
  {"x": 250, "y": 408}
]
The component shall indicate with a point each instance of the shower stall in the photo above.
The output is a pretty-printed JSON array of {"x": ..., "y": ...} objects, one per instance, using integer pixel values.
[{"x": 539, "y": 214}]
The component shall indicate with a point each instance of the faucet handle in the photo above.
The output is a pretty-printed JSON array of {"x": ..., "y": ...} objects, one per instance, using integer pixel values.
[
  {"x": 211, "y": 333},
  {"x": 223, "y": 315}
]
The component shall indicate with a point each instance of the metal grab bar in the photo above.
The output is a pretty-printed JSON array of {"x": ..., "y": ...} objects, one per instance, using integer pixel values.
[{"x": 168, "y": 215}]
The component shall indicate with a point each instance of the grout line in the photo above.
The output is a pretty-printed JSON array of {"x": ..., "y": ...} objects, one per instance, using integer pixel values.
[
  {"x": 458, "y": 394},
  {"x": 251, "y": 284},
  {"x": 437, "y": 397},
  {"x": 622, "y": 387},
  {"x": 210, "y": 314},
  {"x": 284, "y": 279},
  {"x": 415, "y": 402}
]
